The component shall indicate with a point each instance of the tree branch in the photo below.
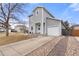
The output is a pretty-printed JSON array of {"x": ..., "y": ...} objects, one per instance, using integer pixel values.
[
  {"x": 3, "y": 11},
  {"x": 1, "y": 20}
]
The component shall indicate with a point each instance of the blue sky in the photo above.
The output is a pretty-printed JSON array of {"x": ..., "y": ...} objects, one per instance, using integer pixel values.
[{"x": 64, "y": 11}]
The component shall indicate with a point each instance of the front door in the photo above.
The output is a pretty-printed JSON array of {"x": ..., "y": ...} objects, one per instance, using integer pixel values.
[{"x": 38, "y": 28}]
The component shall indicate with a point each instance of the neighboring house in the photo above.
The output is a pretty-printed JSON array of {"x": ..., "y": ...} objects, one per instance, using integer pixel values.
[
  {"x": 42, "y": 22},
  {"x": 75, "y": 30},
  {"x": 21, "y": 28},
  {"x": 17, "y": 26},
  {"x": 2, "y": 29}
]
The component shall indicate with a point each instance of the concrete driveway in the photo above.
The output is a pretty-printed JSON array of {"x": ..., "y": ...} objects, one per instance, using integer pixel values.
[
  {"x": 43, "y": 46},
  {"x": 23, "y": 47}
]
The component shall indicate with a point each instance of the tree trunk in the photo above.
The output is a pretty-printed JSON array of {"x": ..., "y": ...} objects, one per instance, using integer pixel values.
[
  {"x": 7, "y": 31},
  {"x": 7, "y": 26}
]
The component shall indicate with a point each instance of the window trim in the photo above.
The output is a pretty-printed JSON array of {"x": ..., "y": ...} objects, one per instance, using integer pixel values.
[
  {"x": 31, "y": 27},
  {"x": 37, "y": 12}
]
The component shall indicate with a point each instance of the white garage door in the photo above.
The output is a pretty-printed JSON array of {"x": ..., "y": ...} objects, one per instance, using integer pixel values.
[{"x": 53, "y": 31}]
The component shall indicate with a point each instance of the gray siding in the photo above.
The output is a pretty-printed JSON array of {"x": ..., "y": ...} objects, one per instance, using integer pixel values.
[
  {"x": 37, "y": 17},
  {"x": 46, "y": 15},
  {"x": 40, "y": 16},
  {"x": 51, "y": 23}
]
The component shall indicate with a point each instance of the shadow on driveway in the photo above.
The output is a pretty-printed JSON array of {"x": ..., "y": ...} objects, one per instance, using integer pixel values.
[{"x": 60, "y": 48}]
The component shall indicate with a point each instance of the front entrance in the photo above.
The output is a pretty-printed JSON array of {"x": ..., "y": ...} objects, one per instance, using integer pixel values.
[{"x": 37, "y": 27}]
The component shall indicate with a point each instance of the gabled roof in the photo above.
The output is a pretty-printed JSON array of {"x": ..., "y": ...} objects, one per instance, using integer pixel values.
[
  {"x": 37, "y": 7},
  {"x": 30, "y": 15},
  {"x": 53, "y": 19},
  {"x": 60, "y": 21},
  {"x": 77, "y": 25},
  {"x": 45, "y": 10}
]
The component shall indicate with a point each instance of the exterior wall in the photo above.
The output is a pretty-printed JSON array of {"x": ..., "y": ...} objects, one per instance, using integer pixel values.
[
  {"x": 31, "y": 24},
  {"x": 75, "y": 31},
  {"x": 36, "y": 18},
  {"x": 51, "y": 23},
  {"x": 20, "y": 28},
  {"x": 2, "y": 30},
  {"x": 45, "y": 15},
  {"x": 39, "y": 16},
  {"x": 76, "y": 28}
]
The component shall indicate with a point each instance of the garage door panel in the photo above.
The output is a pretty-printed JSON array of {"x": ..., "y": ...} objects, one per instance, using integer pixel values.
[{"x": 54, "y": 31}]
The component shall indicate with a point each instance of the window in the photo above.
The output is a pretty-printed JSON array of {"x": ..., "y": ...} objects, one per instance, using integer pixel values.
[
  {"x": 31, "y": 28},
  {"x": 39, "y": 25},
  {"x": 38, "y": 28},
  {"x": 30, "y": 32},
  {"x": 37, "y": 12}
]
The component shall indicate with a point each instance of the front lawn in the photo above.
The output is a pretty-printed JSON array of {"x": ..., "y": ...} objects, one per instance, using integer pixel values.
[{"x": 13, "y": 38}]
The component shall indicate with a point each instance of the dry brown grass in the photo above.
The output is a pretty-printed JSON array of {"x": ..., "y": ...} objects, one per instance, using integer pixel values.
[{"x": 13, "y": 38}]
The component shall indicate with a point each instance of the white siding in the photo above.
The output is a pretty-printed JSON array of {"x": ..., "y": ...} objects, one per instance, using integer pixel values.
[
  {"x": 53, "y": 23},
  {"x": 40, "y": 17},
  {"x": 54, "y": 31},
  {"x": 37, "y": 17},
  {"x": 45, "y": 13}
]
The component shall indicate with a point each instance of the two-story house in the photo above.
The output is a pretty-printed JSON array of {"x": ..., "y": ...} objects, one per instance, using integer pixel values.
[{"x": 42, "y": 22}]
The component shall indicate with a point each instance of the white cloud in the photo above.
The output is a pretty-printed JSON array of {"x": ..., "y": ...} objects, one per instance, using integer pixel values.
[
  {"x": 71, "y": 7},
  {"x": 26, "y": 21},
  {"x": 74, "y": 6},
  {"x": 65, "y": 14}
]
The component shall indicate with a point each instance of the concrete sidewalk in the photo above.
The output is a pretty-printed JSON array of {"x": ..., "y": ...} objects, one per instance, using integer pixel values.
[{"x": 23, "y": 47}]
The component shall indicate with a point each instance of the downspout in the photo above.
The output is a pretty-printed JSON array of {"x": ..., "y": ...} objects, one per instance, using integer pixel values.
[
  {"x": 60, "y": 28},
  {"x": 42, "y": 22}
]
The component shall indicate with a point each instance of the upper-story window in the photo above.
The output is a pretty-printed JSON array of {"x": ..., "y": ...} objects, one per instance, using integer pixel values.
[
  {"x": 31, "y": 28},
  {"x": 36, "y": 12}
]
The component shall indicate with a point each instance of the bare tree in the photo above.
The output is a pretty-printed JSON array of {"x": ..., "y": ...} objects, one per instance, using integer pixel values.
[
  {"x": 10, "y": 11},
  {"x": 66, "y": 23}
]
